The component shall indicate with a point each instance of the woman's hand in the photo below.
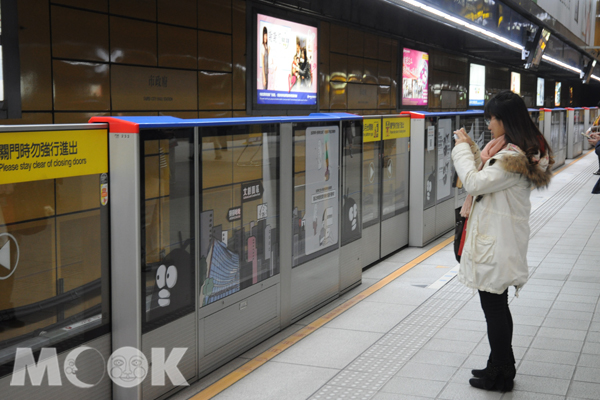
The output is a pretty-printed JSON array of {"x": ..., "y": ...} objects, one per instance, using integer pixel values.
[{"x": 462, "y": 137}]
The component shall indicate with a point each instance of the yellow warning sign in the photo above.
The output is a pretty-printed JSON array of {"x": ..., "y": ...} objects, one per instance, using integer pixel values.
[
  {"x": 371, "y": 130},
  {"x": 395, "y": 128},
  {"x": 35, "y": 156}
]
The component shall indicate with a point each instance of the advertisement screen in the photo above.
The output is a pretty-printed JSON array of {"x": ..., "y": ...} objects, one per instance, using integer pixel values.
[
  {"x": 557, "y": 87},
  {"x": 541, "y": 47},
  {"x": 477, "y": 85},
  {"x": 515, "y": 83},
  {"x": 286, "y": 62},
  {"x": 539, "y": 99},
  {"x": 415, "y": 73}
]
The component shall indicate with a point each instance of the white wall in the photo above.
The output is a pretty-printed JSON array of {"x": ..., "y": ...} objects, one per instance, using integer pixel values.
[{"x": 579, "y": 16}]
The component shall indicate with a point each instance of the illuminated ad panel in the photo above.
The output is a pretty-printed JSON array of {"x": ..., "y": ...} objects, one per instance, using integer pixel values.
[
  {"x": 539, "y": 99},
  {"x": 415, "y": 73},
  {"x": 286, "y": 62},
  {"x": 515, "y": 83},
  {"x": 557, "y": 88},
  {"x": 477, "y": 85}
]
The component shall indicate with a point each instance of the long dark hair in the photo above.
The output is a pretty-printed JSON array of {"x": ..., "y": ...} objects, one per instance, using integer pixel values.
[{"x": 520, "y": 129}]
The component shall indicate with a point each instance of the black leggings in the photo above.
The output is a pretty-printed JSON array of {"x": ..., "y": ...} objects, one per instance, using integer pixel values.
[{"x": 499, "y": 326}]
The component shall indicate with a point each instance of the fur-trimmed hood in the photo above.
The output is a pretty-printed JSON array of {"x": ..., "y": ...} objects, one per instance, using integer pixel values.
[{"x": 515, "y": 161}]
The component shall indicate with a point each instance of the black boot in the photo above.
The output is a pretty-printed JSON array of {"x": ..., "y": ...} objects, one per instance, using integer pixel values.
[
  {"x": 498, "y": 378},
  {"x": 480, "y": 373}
]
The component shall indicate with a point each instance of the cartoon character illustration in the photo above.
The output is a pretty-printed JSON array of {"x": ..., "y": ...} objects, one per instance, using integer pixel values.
[
  {"x": 165, "y": 277},
  {"x": 352, "y": 213},
  {"x": 172, "y": 289}
]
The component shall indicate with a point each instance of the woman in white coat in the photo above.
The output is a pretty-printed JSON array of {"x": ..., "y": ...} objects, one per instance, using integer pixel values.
[{"x": 499, "y": 180}]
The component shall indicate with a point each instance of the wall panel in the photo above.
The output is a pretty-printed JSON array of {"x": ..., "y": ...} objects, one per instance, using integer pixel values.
[
  {"x": 133, "y": 42},
  {"x": 79, "y": 35},
  {"x": 80, "y": 86},
  {"x": 177, "y": 47}
]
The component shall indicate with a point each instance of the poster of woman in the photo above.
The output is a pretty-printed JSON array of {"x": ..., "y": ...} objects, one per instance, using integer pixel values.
[{"x": 286, "y": 62}]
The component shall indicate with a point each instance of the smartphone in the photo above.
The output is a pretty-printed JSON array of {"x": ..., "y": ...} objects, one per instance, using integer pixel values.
[{"x": 586, "y": 135}]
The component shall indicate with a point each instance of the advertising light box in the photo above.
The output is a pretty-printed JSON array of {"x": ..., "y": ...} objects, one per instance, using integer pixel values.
[
  {"x": 539, "y": 99},
  {"x": 557, "y": 88},
  {"x": 515, "y": 83},
  {"x": 286, "y": 62},
  {"x": 415, "y": 73},
  {"x": 477, "y": 85}
]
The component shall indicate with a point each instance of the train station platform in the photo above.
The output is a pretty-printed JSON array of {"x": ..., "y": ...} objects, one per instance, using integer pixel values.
[{"x": 412, "y": 331}]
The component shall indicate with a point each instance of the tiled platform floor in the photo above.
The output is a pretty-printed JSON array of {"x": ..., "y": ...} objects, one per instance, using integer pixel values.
[{"x": 408, "y": 341}]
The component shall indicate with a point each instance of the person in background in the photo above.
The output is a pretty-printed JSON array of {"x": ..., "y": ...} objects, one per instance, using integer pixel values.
[{"x": 499, "y": 180}]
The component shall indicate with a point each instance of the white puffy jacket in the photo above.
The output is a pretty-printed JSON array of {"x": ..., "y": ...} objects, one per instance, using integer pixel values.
[{"x": 494, "y": 256}]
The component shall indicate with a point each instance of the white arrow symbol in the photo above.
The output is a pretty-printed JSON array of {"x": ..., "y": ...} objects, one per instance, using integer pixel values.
[
  {"x": 5, "y": 255},
  {"x": 5, "y": 259}
]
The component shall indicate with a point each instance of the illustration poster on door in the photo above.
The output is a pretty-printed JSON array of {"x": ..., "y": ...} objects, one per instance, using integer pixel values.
[
  {"x": 321, "y": 194},
  {"x": 444, "y": 183}
]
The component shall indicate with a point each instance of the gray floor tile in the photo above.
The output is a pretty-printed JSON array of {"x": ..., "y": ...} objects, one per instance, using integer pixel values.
[
  {"x": 552, "y": 356},
  {"x": 529, "y": 295},
  {"x": 301, "y": 382},
  {"x": 570, "y": 306},
  {"x": 414, "y": 369},
  {"x": 593, "y": 337},
  {"x": 451, "y": 346},
  {"x": 573, "y": 324},
  {"x": 536, "y": 282},
  {"x": 550, "y": 370},
  {"x": 439, "y": 358},
  {"x": 329, "y": 348},
  {"x": 553, "y": 344},
  {"x": 520, "y": 395},
  {"x": 466, "y": 324},
  {"x": 527, "y": 320},
  {"x": 272, "y": 341},
  {"x": 360, "y": 380},
  {"x": 539, "y": 384},
  {"x": 587, "y": 374},
  {"x": 521, "y": 340},
  {"x": 589, "y": 360},
  {"x": 371, "y": 317},
  {"x": 591, "y": 348},
  {"x": 394, "y": 396},
  {"x": 525, "y": 330},
  {"x": 584, "y": 390},
  {"x": 529, "y": 311},
  {"x": 460, "y": 335},
  {"x": 564, "y": 314},
  {"x": 330, "y": 392},
  {"x": 413, "y": 387},
  {"x": 559, "y": 333},
  {"x": 401, "y": 293},
  {"x": 459, "y": 391}
]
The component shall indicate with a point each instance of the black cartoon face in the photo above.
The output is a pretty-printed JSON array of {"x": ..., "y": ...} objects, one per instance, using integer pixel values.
[{"x": 166, "y": 278}]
